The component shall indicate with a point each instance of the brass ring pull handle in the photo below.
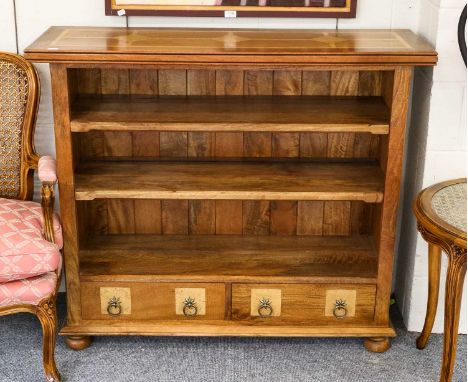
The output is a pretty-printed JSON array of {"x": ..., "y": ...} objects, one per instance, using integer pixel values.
[
  {"x": 114, "y": 307},
  {"x": 340, "y": 311},
  {"x": 264, "y": 308},
  {"x": 190, "y": 307}
]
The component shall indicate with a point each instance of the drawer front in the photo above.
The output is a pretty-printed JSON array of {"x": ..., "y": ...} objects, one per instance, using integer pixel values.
[
  {"x": 152, "y": 301},
  {"x": 308, "y": 304}
]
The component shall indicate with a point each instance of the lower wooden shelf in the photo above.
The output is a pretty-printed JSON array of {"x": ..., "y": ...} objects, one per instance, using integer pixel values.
[{"x": 229, "y": 258}]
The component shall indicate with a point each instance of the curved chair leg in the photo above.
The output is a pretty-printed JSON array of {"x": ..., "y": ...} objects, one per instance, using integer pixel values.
[
  {"x": 47, "y": 314},
  {"x": 435, "y": 254},
  {"x": 453, "y": 297}
]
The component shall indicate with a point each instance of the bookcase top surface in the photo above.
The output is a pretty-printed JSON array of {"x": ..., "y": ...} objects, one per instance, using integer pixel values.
[{"x": 320, "y": 47}]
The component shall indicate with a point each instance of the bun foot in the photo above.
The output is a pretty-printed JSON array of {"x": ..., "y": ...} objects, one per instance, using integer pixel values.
[
  {"x": 377, "y": 344},
  {"x": 78, "y": 342}
]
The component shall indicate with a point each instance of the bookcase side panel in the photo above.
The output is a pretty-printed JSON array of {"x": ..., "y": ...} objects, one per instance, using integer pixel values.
[
  {"x": 392, "y": 163},
  {"x": 62, "y": 94}
]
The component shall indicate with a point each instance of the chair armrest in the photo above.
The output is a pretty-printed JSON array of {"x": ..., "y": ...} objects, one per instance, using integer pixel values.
[
  {"x": 47, "y": 169},
  {"x": 48, "y": 176}
]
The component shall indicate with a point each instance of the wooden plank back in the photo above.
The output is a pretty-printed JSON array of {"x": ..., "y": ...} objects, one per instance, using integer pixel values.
[
  {"x": 228, "y": 217},
  {"x": 234, "y": 217}
]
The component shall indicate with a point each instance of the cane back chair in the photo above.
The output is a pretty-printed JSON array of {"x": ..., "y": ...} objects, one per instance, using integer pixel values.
[{"x": 30, "y": 233}]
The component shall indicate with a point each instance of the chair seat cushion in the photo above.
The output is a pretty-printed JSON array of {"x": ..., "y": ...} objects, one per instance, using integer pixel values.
[
  {"x": 28, "y": 291},
  {"x": 24, "y": 252}
]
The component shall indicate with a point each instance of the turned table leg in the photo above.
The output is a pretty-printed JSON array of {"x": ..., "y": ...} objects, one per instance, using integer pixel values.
[
  {"x": 435, "y": 254},
  {"x": 453, "y": 295},
  {"x": 78, "y": 342}
]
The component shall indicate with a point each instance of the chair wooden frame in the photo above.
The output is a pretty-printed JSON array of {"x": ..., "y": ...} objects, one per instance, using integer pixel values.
[
  {"x": 441, "y": 236},
  {"x": 45, "y": 310}
]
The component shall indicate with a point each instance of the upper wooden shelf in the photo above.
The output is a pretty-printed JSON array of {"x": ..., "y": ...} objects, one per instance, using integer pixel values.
[
  {"x": 222, "y": 46},
  {"x": 278, "y": 113},
  {"x": 221, "y": 258},
  {"x": 229, "y": 180}
]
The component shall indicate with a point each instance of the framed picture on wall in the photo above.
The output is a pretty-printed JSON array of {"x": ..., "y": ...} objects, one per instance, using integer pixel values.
[{"x": 234, "y": 8}]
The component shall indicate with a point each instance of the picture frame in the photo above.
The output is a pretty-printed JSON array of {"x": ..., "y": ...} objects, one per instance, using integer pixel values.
[{"x": 233, "y": 8}]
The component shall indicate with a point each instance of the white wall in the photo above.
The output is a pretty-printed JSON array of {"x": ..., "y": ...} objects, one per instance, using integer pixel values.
[
  {"x": 443, "y": 115},
  {"x": 371, "y": 14},
  {"x": 437, "y": 152},
  {"x": 7, "y": 21}
]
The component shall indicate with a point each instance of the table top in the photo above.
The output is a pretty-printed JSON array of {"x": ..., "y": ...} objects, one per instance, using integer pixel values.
[
  {"x": 449, "y": 204},
  {"x": 442, "y": 209},
  {"x": 72, "y": 44}
]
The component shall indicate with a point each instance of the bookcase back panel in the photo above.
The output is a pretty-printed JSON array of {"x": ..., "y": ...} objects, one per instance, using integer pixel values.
[
  {"x": 208, "y": 217},
  {"x": 227, "y": 217},
  {"x": 150, "y": 82},
  {"x": 222, "y": 145}
]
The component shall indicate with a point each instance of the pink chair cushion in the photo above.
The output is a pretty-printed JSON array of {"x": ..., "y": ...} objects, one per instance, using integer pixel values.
[
  {"x": 47, "y": 171},
  {"x": 28, "y": 291},
  {"x": 24, "y": 252}
]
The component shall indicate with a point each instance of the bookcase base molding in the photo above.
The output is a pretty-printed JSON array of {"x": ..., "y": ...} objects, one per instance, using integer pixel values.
[{"x": 244, "y": 186}]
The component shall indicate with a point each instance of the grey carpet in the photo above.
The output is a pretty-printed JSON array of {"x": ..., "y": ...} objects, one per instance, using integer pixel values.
[{"x": 116, "y": 359}]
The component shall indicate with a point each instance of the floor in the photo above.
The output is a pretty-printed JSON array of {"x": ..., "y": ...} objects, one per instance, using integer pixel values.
[{"x": 116, "y": 359}]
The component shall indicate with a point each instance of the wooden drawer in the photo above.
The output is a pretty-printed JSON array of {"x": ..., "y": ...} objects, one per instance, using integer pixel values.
[
  {"x": 307, "y": 304},
  {"x": 152, "y": 301}
]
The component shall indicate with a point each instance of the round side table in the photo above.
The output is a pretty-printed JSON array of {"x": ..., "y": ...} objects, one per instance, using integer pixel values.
[{"x": 441, "y": 214}]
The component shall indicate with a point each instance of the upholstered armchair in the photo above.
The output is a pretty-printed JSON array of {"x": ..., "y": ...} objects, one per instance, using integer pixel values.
[{"x": 30, "y": 233}]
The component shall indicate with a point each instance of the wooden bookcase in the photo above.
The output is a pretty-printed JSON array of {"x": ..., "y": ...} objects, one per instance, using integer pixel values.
[{"x": 229, "y": 182}]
